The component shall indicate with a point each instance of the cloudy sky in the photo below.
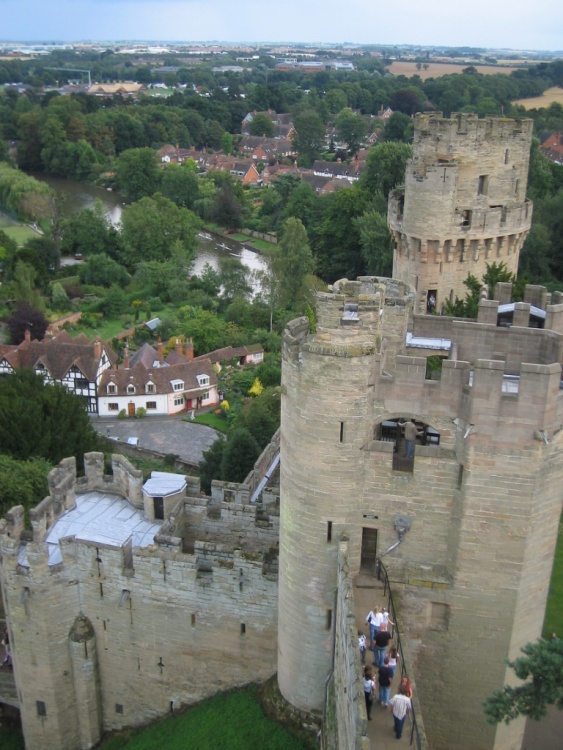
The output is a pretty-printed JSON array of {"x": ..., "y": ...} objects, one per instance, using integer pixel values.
[{"x": 511, "y": 24}]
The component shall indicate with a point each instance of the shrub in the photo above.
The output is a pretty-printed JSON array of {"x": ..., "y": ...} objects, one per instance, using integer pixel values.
[
  {"x": 122, "y": 414},
  {"x": 140, "y": 412}
]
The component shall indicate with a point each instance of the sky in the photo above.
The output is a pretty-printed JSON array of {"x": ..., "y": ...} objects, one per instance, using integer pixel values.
[{"x": 509, "y": 24}]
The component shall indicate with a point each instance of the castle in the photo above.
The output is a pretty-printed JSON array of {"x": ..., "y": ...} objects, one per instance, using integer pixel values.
[
  {"x": 463, "y": 204},
  {"x": 129, "y": 600}
]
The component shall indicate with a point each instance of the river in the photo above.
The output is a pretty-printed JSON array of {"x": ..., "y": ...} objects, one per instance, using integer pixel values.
[{"x": 79, "y": 195}]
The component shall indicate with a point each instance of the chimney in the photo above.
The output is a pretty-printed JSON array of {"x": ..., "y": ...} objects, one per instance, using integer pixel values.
[
  {"x": 97, "y": 349},
  {"x": 27, "y": 335},
  {"x": 126, "y": 356},
  {"x": 159, "y": 350},
  {"x": 189, "y": 349},
  {"x": 178, "y": 346}
]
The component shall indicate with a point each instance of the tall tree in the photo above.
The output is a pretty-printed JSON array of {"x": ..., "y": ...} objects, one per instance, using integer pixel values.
[
  {"x": 262, "y": 124},
  {"x": 309, "y": 137},
  {"x": 137, "y": 173},
  {"x": 351, "y": 129},
  {"x": 152, "y": 227},
  {"x": 26, "y": 318},
  {"x": 38, "y": 419},
  {"x": 376, "y": 243},
  {"x": 295, "y": 261},
  {"x": 385, "y": 167}
]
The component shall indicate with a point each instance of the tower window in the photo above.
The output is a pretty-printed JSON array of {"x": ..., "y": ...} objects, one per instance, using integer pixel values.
[
  {"x": 242, "y": 628},
  {"x": 329, "y": 531},
  {"x": 41, "y": 708},
  {"x": 118, "y": 708},
  {"x": 341, "y": 432},
  {"x": 329, "y": 619},
  {"x": 483, "y": 185}
]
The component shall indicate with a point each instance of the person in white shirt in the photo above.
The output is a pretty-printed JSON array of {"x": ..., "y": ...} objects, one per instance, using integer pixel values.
[
  {"x": 369, "y": 689},
  {"x": 374, "y": 619},
  {"x": 400, "y": 707}
]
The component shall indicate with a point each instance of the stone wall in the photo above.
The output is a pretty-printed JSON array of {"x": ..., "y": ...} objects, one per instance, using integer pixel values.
[
  {"x": 472, "y": 573},
  {"x": 169, "y": 627},
  {"x": 463, "y": 204}
]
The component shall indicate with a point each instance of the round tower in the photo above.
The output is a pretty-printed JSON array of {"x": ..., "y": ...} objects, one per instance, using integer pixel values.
[
  {"x": 328, "y": 381},
  {"x": 463, "y": 204}
]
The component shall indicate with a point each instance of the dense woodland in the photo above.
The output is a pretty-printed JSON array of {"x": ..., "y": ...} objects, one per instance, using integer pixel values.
[{"x": 141, "y": 269}]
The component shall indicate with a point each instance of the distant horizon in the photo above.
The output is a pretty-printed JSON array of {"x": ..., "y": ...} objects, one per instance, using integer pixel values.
[
  {"x": 263, "y": 43},
  {"x": 499, "y": 25}
]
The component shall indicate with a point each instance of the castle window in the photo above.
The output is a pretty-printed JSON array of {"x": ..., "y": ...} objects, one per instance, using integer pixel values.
[
  {"x": 112, "y": 388},
  {"x": 516, "y": 188},
  {"x": 506, "y": 156},
  {"x": 113, "y": 407},
  {"x": 193, "y": 621},
  {"x": 466, "y": 219},
  {"x": 329, "y": 531},
  {"x": 158, "y": 505},
  {"x": 341, "y": 432},
  {"x": 329, "y": 619},
  {"x": 41, "y": 708},
  {"x": 242, "y": 628},
  {"x": 151, "y": 405},
  {"x": 483, "y": 187},
  {"x": 118, "y": 708}
]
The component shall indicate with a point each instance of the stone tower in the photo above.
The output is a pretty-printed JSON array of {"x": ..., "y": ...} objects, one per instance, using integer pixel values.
[
  {"x": 463, "y": 204},
  {"x": 475, "y": 512}
]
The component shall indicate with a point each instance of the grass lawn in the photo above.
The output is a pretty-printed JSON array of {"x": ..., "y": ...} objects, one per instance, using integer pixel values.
[
  {"x": 262, "y": 245},
  {"x": 211, "y": 420},
  {"x": 19, "y": 233},
  {"x": 233, "y": 721},
  {"x": 553, "y": 622},
  {"x": 5, "y": 221},
  {"x": 106, "y": 330}
]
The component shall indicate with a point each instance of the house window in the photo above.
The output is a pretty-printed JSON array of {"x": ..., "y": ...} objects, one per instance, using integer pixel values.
[
  {"x": 113, "y": 407},
  {"x": 112, "y": 388},
  {"x": 203, "y": 379},
  {"x": 178, "y": 385},
  {"x": 179, "y": 401},
  {"x": 151, "y": 388},
  {"x": 81, "y": 383},
  {"x": 205, "y": 396},
  {"x": 151, "y": 405},
  {"x": 130, "y": 389}
]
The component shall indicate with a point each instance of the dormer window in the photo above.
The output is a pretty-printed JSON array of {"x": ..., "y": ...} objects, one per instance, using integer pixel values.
[
  {"x": 151, "y": 388},
  {"x": 131, "y": 389},
  {"x": 178, "y": 385},
  {"x": 203, "y": 380},
  {"x": 112, "y": 388}
]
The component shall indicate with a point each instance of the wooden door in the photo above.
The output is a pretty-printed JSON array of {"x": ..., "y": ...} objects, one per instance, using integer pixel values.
[{"x": 131, "y": 409}]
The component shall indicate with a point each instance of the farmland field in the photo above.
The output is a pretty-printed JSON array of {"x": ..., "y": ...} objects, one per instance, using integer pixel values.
[
  {"x": 435, "y": 70},
  {"x": 554, "y": 94}
]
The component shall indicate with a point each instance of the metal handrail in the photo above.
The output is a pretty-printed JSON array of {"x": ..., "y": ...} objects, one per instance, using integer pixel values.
[{"x": 382, "y": 576}]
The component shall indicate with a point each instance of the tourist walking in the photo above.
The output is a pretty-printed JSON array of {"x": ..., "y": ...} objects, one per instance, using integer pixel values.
[
  {"x": 393, "y": 656},
  {"x": 411, "y": 431},
  {"x": 362, "y": 646},
  {"x": 384, "y": 680},
  {"x": 369, "y": 689},
  {"x": 374, "y": 620},
  {"x": 380, "y": 643},
  {"x": 400, "y": 707}
]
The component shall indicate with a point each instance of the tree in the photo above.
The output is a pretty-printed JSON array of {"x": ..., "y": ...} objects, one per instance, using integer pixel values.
[
  {"x": 399, "y": 127},
  {"x": 115, "y": 303},
  {"x": 101, "y": 270},
  {"x": 210, "y": 465},
  {"x": 234, "y": 279},
  {"x": 151, "y": 227},
  {"x": 239, "y": 455},
  {"x": 89, "y": 232},
  {"x": 228, "y": 210},
  {"x": 376, "y": 243},
  {"x": 542, "y": 668},
  {"x": 351, "y": 129},
  {"x": 22, "y": 482},
  {"x": 59, "y": 298},
  {"x": 385, "y": 167},
  {"x": 295, "y": 260},
  {"x": 309, "y": 137},
  {"x": 180, "y": 185},
  {"x": 137, "y": 173},
  {"x": 262, "y": 124},
  {"x": 26, "y": 318},
  {"x": 40, "y": 419}
]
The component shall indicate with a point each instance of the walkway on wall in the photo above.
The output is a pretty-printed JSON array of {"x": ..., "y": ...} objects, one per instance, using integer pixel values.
[{"x": 368, "y": 592}]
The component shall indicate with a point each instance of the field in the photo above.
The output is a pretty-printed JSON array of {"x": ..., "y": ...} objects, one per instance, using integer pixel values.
[
  {"x": 435, "y": 70},
  {"x": 554, "y": 94}
]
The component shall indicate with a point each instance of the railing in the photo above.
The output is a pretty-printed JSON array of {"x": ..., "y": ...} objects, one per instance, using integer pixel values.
[{"x": 382, "y": 576}]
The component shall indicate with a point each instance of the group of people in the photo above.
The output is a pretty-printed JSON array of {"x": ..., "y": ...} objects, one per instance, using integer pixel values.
[{"x": 385, "y": 659}]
